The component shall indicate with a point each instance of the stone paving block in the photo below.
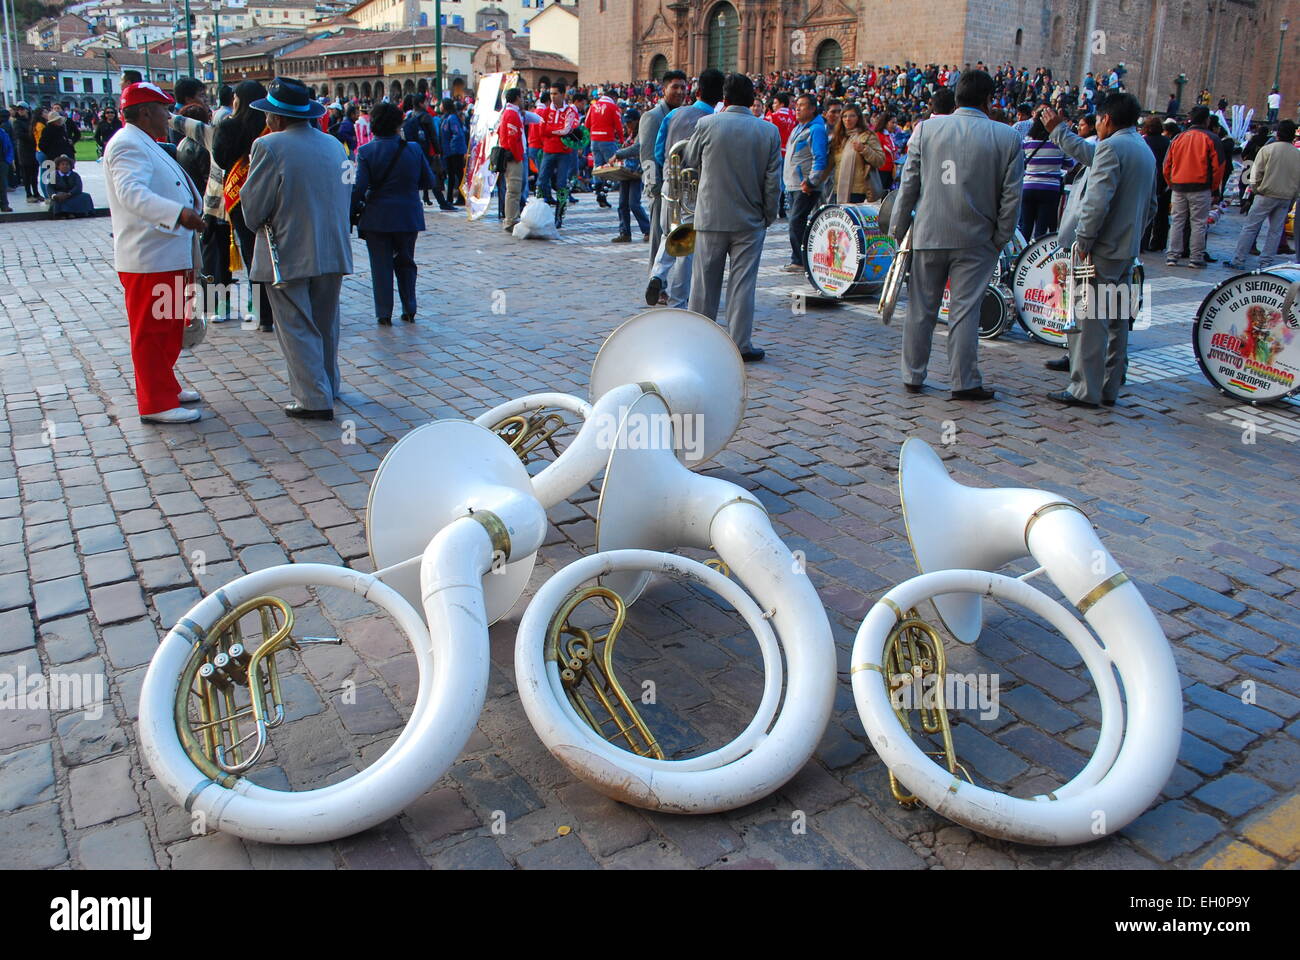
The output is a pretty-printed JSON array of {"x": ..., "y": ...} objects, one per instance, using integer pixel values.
[
  {"x": 439, "y": 813},
  {"x": 164, "y": 574},
  {"x": 368, "y": 712},
  {"x": 1234, "y": 794},
  {"x": 778, "y": 843},
  {"x": 490, "y": 785},
  {"x": 216, "y": 851},
  {"x": 1216, "y": 730},
  {"x": 32, "y": 839},
  {"x": 1276, "y": 762},
  {"x": 1235, "y": 855},
  {"x": 285, "y": 856},
  {"x": 563, "y": 853},
  {"x": 121, "y": 846},
  {"x": 174, "y": 604},
  {"x": 15, "y": 591},
  {"x": 16, "y": 631},
  {"x": 1172, "y": 830},
  {"x": 116, "y": 603},
  {"x": 102, "y": 792},
  {"x": 58, "y": 598},
  {"x": 385, "y": 847},
  {"x": 88, "y": 735},
  {"x": 26, "y": 777},
  {"x": 477, "y": 853},
  {"x": 106, "y": 568},
  {"x": 1277, "y": 829},
  {"x": 604, "y": 825},
  {"x": 53, "y": 564},
  {"x": 701, "y": 841}
]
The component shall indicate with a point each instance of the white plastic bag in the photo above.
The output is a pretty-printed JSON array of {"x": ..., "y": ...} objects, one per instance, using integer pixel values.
[{"x": 537, "y": 222}]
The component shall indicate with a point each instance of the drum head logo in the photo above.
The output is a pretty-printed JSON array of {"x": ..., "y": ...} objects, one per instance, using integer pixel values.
[
  {"x": 1246, "y": 336},
  {"x": 1042, "y": 290},
  {"x": 845, "y": 250}
]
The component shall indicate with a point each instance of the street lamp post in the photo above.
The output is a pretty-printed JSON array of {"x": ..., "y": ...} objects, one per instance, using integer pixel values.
[
  {"x": 437, "y": 43},
  {"x": 189, "y": 38},
  {"x": 216, "y": 27},
  {"x": 1281, "y": 38}
]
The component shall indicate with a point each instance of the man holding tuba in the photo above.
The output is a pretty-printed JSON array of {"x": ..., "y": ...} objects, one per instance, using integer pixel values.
[
  {"x": 738, "y": 156},
  {"x": 962, "y": 179},
  {"x": 670, "y": 269},
  {"x": 1102, "y": 227}
]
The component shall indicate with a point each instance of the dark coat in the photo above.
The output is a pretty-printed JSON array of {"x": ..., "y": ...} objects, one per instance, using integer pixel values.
[{"x": 393, "y": 206}]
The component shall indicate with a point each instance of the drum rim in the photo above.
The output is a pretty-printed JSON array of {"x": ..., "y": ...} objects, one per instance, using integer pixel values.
[
  {"x": 1015, "y": 307},
  {"x": 807, "y": 267},
  {"x": 1001, "y": 295},
  {"x": 1196, "y": 343}
]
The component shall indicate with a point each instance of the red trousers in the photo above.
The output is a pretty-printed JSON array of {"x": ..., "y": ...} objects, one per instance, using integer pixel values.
[{"x": 157, "y": 307}]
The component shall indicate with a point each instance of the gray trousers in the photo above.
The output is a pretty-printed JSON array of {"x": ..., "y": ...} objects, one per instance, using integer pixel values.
[
  {"x": 1188, "y": 211},
  {"x": 1263, "y": 210},
  {"x": 744, "y": 249},
  {"x": 968, "y": 271},
  {"x": 307, "y": 326},
  {"x": 656, "y": 227},
  {"x": 1099, "y": 348},
  {"x": 514, "y": 187}
]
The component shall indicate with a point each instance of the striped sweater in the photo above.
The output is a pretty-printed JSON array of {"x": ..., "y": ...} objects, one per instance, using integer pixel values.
[{"x": 1045, "y": 164}]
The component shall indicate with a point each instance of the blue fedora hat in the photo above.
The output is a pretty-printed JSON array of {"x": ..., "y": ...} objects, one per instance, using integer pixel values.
[{"x": 289, "y": 98}]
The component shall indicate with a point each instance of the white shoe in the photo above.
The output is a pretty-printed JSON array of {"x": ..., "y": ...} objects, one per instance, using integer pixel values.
[
  {"x": 189, "y": 396},
  {"x": 175, "y": 415}
]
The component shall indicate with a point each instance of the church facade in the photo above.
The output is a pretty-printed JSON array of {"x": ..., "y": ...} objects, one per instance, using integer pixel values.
[{"x": 1227, "y": 46}]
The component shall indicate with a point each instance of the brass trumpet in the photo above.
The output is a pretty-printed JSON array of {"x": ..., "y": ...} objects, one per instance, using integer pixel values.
[{"x": 273, "y": 251}]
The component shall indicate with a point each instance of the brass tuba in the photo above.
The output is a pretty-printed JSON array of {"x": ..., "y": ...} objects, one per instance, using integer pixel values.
[
  {"x": 680, "y": 186},
  {"x": 893, "y": 285}
]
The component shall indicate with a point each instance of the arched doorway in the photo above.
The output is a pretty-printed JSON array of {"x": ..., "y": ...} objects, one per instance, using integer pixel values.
[
  {"x": 422, "y": 86},
  {"x": 365, "y": 90},
  {"x": 395, "y": 92},
  {"x": 830, "y": 55},
  {"x": 353, "y": 92},
  {"x": 409, "y": 87},
  {"x": 658, "y": 66},
  {"x": 724, "y": 37}
]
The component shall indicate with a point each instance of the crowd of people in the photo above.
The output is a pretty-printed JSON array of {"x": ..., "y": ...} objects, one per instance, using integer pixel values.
[{"x": 759, "y": 147}]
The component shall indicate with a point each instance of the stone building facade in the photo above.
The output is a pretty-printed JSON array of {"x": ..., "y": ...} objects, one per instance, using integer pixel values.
[{"x": 1228, "y": 46}]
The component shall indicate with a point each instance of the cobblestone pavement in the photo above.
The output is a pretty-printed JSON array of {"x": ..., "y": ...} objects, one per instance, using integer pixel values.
[{"x": 103, "y": 520}]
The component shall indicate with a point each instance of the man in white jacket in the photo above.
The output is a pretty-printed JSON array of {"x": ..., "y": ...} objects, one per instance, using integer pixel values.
[{"x": 154, "y": 206}]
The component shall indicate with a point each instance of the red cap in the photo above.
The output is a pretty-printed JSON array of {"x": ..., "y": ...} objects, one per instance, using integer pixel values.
[{"x": 144, "y": 92}]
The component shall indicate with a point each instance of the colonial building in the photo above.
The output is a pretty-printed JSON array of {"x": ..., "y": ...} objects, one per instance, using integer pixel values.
[
  {"x": 1217, "y": 44},
  {"x": 539, "y": 68},
  {"x": 469, "y": 15}
]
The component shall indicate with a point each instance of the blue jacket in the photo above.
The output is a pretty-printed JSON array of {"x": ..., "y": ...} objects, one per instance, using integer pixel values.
[
  {"x": 394, "y": 205},
  {"x": 451, "y": 136},
  {"x": 6, "y": 148},
  {"x": 806, "y": 155}
]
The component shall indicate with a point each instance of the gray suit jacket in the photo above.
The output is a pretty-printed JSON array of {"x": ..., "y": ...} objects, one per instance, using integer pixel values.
[
  {"x": 646, "y": 133},
  {"x": 963, "y": 178},
  {"x": 1112, "y": 203},
  {"x": 739, "y": 159},
  {"x": 296, "y": 182}
]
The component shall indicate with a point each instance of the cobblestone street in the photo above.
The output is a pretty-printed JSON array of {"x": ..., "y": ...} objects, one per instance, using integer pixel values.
[{"x": 112, "y": 529}]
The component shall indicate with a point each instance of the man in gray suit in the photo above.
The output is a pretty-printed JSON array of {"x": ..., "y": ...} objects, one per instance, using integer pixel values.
[
  {"x": 962, "y": 178},
  {"x": 674, "y": 85},
  {"x": 300, "y": 191},
  {"x": 739, "y": 159},
  {"x": 1108, "y": 211}
]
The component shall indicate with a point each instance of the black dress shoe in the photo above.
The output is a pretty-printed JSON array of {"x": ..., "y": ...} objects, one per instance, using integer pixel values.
[
  {"x": 1060, "y": 363},
  {"x": 914, "y": 387},
  {"x": 652, "y": 291},
  {"x": 975, "y": 393},
  {"x": 296, "y": 409},
  {"x": 754, "y": 355},
  {"x": 408, "y": 318},
  {"x": 384, "y": 321},
  {"x": 1070, "y": 400}
]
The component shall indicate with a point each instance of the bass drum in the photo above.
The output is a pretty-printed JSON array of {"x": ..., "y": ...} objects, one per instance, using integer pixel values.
[
  {"x": 1039, "y": 289},
  {"x": 1245, "y": 335},
  {"x": 995, "y": 311},
  {"x": 847, "y": 249}
]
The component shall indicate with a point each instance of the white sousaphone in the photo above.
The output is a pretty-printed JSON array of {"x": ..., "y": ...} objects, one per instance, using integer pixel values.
[
  {"x": 959, "y": 535},
  {"x": 650, "y": 502},
  {"x": 685, "y": 357},
  {"x": 212, "y": 691}
]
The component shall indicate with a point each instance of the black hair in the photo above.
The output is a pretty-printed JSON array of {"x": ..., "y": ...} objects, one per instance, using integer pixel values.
[
  {"x": 385, "y": 118},
  {"x": 738, "y": 89},
  {"x": 132, "y": 113},
  {"x": 974, "y": 89},
  {"x": 812, "y": 101},
  {"x": 226, "y": 95},
  {"x": 783, "y": 98},
  {"x": 672, "y": 75},
  {"x": 1199, "y": 116},
  {"x": 186, "y": 88},
  {"x": 512, "y": 95},
  {"x": 943, "y": 102},
  {"x": 131, "y": 76},
  {"x": 710, "y": 87},
  {"x": 1122, "y": 108},
  {"x": 1286, "y": 131}
]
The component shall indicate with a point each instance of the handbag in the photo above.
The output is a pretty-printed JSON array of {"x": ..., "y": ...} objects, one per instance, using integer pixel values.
[
  {"x": 498, "y": 159},
  {"x": 359, "y": 208}
]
